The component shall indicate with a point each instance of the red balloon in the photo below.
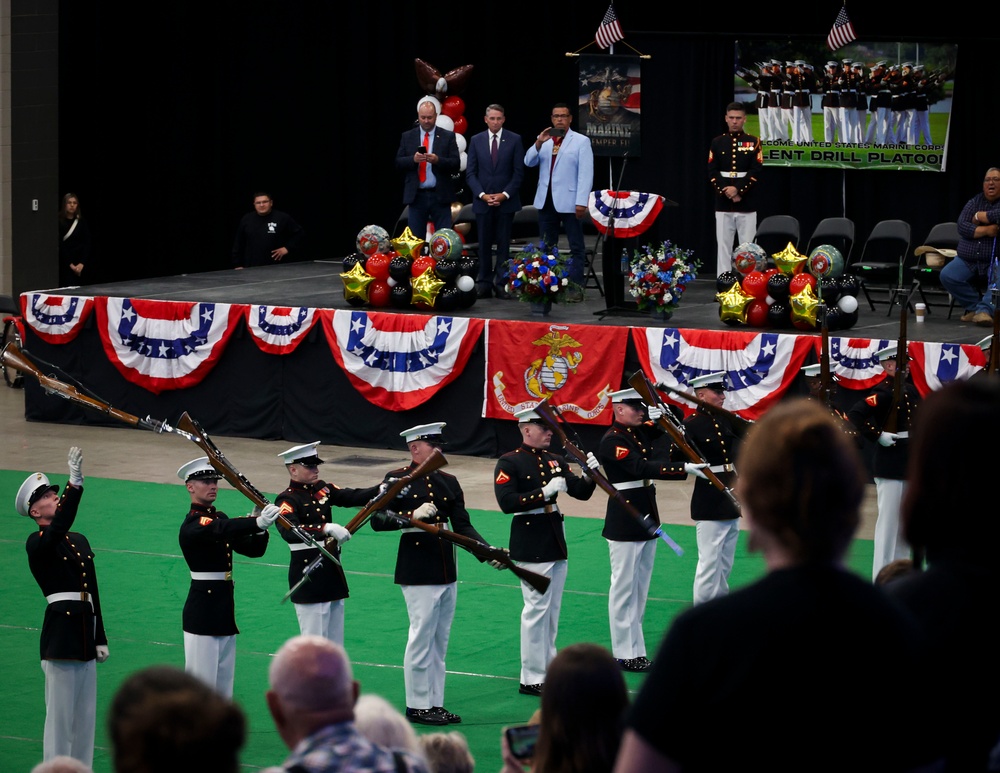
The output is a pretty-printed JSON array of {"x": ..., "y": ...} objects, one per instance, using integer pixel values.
[
  {"x": 420, "y": 265},
  {"x": 756, "y": 312},
  {"x": 797, "y": 285},
  {"x": 755, "y": 284},
  {"x": 461, "y": 125},
  {"x": 379, "y": 293},
  {"x": 453, "y": 107},
  {"x": 771, "y": 272},
  {"x": 378, "y": 265}
]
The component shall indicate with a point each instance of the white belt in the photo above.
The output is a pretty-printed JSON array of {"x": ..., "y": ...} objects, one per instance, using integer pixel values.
[
  {"x": 631, "y": 484},
  {"x": 410, "y": 530},
  {"x": 539, "y": 510},
  {"x": 734, "y": 174},
  {"x": 52, "y": 598},
  {"x": 293, "y": 546},
  {"x": 220, "y": 576},
  {"x": 717, "y": 468}
]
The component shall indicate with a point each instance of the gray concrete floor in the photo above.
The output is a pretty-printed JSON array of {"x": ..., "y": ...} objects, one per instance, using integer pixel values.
[{"x": 139, "y": 455}]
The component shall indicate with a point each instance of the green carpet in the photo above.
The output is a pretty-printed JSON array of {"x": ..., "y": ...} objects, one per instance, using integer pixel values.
[{"x": 133, "y": 528}]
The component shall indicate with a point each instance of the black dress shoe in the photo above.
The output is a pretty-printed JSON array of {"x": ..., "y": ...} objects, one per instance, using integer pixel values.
[
  {"x": 637, "y": 665},
  {"x": 425, "y": 717},
  {"x": 484, "y": 291},
  {"x": 451, "y": 719},
  {"x": 501, "y": 293},
  {"x": 530, "y": 689}
]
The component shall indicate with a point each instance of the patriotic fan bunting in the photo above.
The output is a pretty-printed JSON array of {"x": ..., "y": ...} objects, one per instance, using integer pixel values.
[
  {"x": 57, "y": 319},
  {"x": 631, "y": 211}
]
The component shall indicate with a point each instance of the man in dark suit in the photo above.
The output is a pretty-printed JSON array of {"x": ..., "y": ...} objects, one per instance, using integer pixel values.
[
  {"x": 494, "y": 170},
  {"x": 428, "y": 157}
]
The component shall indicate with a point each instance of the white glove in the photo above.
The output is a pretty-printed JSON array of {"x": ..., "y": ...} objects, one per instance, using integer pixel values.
[
  {"x": 267, "y": 516},
  {"x": 553, "y": 487},
  {"x": 655, "y": 412},
  {"x": 75, "y": 461},
  {"x": 497, "y": 564},
  {"x": 592, "y": 462},
  {"x": 425, "y": 512},
  {"x": 887, "y": 439},
  {"x": 337, "y": 531},
  {"x": 384, "y": 486},
  {"x": 696, "y": 470},
  {"x": 102, "y": 653}
]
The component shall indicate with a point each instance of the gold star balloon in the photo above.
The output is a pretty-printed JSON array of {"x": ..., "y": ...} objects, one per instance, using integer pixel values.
[
  {"x": 356, "y": 283},
  {"x": 733, "y": 304},
  {"x": 790, "y": 260},
  {"x": 408, "y": 245},
  {"x": 426, "y": 287},
  {"x": 804, "y": 306}
]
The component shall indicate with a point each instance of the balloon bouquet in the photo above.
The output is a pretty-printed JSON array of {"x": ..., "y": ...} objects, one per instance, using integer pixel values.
[
  {"x": 787, "y": 294},
  {"x": 424, "y": 272}
]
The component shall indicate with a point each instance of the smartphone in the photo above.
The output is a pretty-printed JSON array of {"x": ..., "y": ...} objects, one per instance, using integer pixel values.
[
  {"x": 521, "y": 740},
  {"x": 554, "y": 132}
]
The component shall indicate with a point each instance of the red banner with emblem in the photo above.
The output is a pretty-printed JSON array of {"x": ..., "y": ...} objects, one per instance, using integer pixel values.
[{"x": 575, "y": 366}]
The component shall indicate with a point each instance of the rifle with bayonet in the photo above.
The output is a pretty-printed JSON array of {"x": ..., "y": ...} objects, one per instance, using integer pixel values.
[
  {"x": 704, "y": 405},
  {"x": 548, "y": 414},
  {"x": 434, "y": 461},
  {"x": 825, "y": 377},
  {"x": 902, "y": 369},
  {"x": 641, "y": 384}
]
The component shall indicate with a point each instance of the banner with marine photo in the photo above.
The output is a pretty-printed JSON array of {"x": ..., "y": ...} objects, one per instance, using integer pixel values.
[
  {"x": 575, "y": 366},
  {"x": 609, "y": 107},
  {"x": 882, "y": 105}
]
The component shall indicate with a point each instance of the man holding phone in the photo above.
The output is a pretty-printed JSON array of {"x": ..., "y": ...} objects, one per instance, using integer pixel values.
[{"x": 565, "y": 161}]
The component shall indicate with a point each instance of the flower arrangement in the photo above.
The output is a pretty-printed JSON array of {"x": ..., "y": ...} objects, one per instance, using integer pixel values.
[
  {"x": 658, "y": 275},
  {"x": 537, "y": 274}
]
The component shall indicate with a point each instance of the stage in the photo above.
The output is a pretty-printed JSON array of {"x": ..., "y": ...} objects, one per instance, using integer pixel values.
[{"x": 305, "y": 392}]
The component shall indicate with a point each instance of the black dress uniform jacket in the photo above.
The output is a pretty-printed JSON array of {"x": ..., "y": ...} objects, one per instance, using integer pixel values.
[
  {"x": 869, "y": 416},
  {"x": 62, "y": 562},
  {"x": 729, "y": 155},
  {"x": 625, "y": 454},
  {"x": 718, "y": 439},
  {"x": 517, "y": 483},
  {"x": 308, "y": 505},
  {"x": 422, "y": 558},
  {"x": 208, "y": 539}
]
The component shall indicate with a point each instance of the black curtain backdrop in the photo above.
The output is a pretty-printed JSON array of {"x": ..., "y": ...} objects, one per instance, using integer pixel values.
[{"x": 169, "y": 122}]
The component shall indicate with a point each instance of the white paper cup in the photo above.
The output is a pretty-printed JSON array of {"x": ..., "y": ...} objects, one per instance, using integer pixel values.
[{"x": 920, "y": 311}]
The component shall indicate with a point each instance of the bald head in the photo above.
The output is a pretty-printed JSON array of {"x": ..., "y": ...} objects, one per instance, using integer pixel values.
[{"x": 311, "y": 673}]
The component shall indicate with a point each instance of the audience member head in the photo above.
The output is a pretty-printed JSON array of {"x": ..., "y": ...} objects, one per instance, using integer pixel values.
[
  {"x": 62, "y": 764},
  {"x": 382, "y": 723},
  {"x": 163, "y": 720},
  {"x": 70, "y": 208},
  {"x": 801, "y": 485},
  {"x": 583, "y": 702},
  {"x": 893, "y": 570},
  {"x": 957, "y": 419},
  {"x": 311, "y": 686},
  {"x": 447, "y": 753}
]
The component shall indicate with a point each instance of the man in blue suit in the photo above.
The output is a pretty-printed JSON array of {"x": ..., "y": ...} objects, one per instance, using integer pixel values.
[
  {"x": 494, "y": 170},
  {"x": 428, "y": 157},
  {"x": 565, "y": 162}
]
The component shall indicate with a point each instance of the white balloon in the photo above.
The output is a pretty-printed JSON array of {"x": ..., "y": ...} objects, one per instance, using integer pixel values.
[
  {"x": 445, "y": 122},
  {"x": 463, "y": 159},
  {"x": 463, "y": 144},
  {"x": 430, "y": 98},
  {"x": 769, "y": 300},
  {"x": 465, "y": 283},
  {"x": 848, "y": 304},
  {"x": 391, "y": 282}
]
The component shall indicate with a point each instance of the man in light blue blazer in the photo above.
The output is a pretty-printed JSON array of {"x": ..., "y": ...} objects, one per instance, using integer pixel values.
[
  {"x": 495, "y": 178},
  {"x": 565, "y": 162}
]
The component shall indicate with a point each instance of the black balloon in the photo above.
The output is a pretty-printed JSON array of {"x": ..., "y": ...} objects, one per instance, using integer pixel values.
[
  {"x": 848, "y": 319},
  {"x": 726, "y": 280},
  {"x": 829, "y": 288},
  {"x": 448, "y": 298},
  {"x": 468, "y": 265},
  {"x": 350, "y": 260},
  {"x": 467, "y": 298},
  {"x": 778, "y": 286},
  {"x": 834, "y": 318},
  {"x": 399, "y": 268},
  {"x": 446, "y": 270},
  {"x": 779, "y": 314},
  {"x": 849, "y": 284},
  {"x": 401, "y": 295}
]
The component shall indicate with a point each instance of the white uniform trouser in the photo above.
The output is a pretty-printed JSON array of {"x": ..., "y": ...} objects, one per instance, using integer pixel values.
[
  {"x": 778, "y": 131},
  {"x": 540, "y": 620},
  {"x": 212, "y": 659},
  {"x": 921, "y": 126},
  {"x": 889, "y": 542},
  {"x": 323, "y": 618},
  {"x": 831, "y": 124},
  {"x": 70, "y": 709},
  {"x": 727, "y": 226},
  {"x": 716, "y": 552},
  {"x": 431, "y": 609},
  {"x": 631, "y": 572}
]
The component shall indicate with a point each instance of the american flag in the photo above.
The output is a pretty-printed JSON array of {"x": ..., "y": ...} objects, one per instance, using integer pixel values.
[
  {"x": 842, "y": 32},
  {"x": 610, "y": 30}
]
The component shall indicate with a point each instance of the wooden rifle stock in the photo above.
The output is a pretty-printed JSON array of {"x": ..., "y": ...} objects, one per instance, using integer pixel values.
[
  {"x": 641, "y": 384},
  {"x": 548, "y": 415},
  {"x": 435, "y": 461},
  {"x": 825, "y": 377},
  {"x": 902, "y": 368},
  {"x": 479, "y": 549},
  {"x": 705, "y": 406}
]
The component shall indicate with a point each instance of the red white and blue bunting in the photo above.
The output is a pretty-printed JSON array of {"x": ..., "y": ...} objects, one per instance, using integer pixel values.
[
  {"x": 163, "y": 345},
  {"x": 57, "y": 319},
  {"x": 632, "y": 212},
  {"x": 279, "y": 329}
]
